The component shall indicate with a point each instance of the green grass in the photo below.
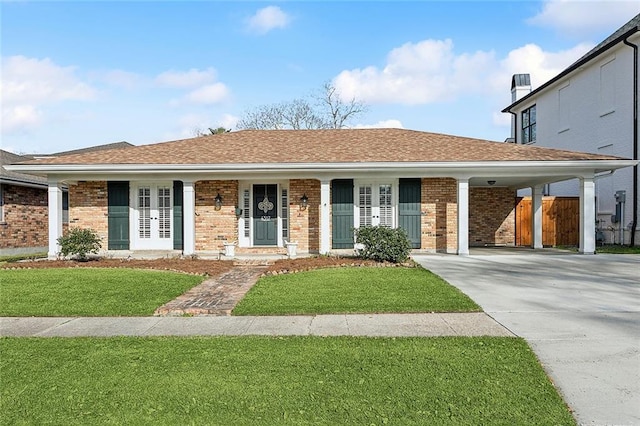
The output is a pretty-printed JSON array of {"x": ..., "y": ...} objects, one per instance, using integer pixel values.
[
  {"x": 354, "y": 290},
  {"x": 88, "y": 292},
  {"x": 269, "y": 381},
  {"x": 16, "y": 257},
  {"x": 618, "y": 249}
]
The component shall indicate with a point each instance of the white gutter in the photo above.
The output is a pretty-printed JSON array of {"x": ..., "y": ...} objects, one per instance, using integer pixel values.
[{"x": 471, "y": 167}]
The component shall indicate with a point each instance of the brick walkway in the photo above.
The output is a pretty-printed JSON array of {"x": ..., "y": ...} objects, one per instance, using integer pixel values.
[{"x": 215, "y": 296}]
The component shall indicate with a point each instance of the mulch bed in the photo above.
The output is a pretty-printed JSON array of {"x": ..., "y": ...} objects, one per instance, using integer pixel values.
[
  {"x": 199, "y": 266},
  {"x": 189, "y": 266}
]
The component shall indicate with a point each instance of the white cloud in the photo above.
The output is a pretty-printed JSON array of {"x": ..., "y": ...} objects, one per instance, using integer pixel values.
[
  {"x": 383, "y": 124},
  {"x": 20, "y": 117},
  {"x": 209, "y": 94},
  {"x": 40, "y": 80},
  {"x": 531, "y": 59},
  {"x": 416, "y": 73},
  {"x": 584, "y": 17},
  {"x": 431, "y": 71},
  {"x": 29, "y": 84},
  {"x": 267, "y": 19},
  {"x": 184, "y": 79}
]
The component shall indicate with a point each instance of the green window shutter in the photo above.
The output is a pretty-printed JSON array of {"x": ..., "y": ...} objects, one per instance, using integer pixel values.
[
  {"x": 342, "y": 213},
  {"x": 118, "y": 215},
  {"x": 178, "y": 227},
  {"x": 409, "y": 209}
]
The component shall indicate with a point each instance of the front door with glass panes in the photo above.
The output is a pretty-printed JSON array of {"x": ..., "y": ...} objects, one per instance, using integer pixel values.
[
  {"x": 265, "y": 215},
  {"x": 375, "y": 205},
  {"x": 153, "y": 217}
]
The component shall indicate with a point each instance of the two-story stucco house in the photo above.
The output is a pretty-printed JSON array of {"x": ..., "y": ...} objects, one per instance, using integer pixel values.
[
  {"x": 591, "y": 106},
  {"x": 262, "y": 189}
]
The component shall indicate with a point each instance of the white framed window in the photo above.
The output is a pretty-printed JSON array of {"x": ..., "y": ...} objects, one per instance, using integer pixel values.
[{"x": 376, "y": 204}]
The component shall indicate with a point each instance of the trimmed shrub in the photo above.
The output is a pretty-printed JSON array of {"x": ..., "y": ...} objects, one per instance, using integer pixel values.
[
  {"x": 79, "y": 242},
  {"x": 383, "y": 244}
]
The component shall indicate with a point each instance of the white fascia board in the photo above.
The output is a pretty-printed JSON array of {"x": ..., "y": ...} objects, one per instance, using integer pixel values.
[
  {"x": 6, "y": 181},
  {"x": 439, "y": 168}
]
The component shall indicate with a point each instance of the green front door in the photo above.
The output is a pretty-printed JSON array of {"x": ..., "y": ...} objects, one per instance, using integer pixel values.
[
  {"x": 118, "y": 215},
  {"x": 265, "y": 215},
  {"x": 409, "y": 209}
]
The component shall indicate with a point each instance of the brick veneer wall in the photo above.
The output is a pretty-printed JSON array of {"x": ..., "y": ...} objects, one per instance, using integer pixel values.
[
  {"x": 304, "y": 225},
  {"x": 492, "y": 216},
  {"x": 88, "y": 208},
  {"x": 213, "y": 227},
  {"x": 25, "y": 222},
  {"x": 439, "y": 215}
]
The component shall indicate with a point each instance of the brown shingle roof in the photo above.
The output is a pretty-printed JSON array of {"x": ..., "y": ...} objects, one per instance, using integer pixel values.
[
  {"x": 10, "y": 176},
  {"x": 322, "y": 146}
]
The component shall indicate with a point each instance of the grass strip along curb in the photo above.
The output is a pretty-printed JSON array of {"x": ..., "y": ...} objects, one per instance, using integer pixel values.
[{"x": 275, "y": 380}]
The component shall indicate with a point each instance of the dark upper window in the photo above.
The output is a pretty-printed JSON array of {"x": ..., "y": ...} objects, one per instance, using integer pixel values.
[{"x": 529, "y": 125}]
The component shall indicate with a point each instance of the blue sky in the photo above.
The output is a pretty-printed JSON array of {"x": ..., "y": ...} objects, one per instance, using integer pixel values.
[{"x": 76, "y": 74}]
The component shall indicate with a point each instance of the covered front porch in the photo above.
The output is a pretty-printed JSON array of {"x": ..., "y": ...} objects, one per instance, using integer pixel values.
[{"x": 261, "y": 215}]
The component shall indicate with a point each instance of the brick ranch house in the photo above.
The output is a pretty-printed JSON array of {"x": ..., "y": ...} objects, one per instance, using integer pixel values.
[{"x": 262, "y": 189}]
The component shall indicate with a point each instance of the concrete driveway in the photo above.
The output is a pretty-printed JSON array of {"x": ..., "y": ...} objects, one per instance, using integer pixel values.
[{"x": 579, "y": 313}]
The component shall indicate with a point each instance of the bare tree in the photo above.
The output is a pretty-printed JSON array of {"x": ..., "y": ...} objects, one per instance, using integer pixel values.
[
  {"x": 326, "y": 110},
  {"x": 338, "y": 111}
]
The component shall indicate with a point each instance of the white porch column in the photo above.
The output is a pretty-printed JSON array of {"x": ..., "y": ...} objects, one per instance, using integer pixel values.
[
  {"x": 463, "y": 217},
  {"x": 587, "y": 216},
  {"x": 325, "y": 217},
  {"x": 55, "y": 218},
  {"x": 189, "y": 218},
  {"x": 536, "y": 216}
]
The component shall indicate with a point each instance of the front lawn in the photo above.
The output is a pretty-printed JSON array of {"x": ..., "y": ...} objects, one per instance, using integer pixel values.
[
  {"x": 354, "y": 290},
  {"x": 89, "y": 292},
  {"x": 269, "y": 380}
]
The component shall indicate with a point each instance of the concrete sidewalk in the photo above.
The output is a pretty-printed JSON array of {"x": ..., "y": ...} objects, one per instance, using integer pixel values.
[{"x": 378, "y": 325}]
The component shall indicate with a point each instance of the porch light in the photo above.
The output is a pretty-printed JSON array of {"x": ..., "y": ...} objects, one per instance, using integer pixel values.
[
  {"x": 304, "y": 202},
  {"x": 218, "y": 201},
  {"x": 491, "y": 182}
]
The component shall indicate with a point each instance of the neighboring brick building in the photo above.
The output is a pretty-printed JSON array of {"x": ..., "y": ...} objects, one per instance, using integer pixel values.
[
  {"x": 23, "y": 204},
  {"x": 23, "y": 210},
  {"x": 263, "y": 189}
]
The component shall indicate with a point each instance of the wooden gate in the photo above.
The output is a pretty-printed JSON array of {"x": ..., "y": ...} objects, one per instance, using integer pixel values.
[{"x": 560, "y": 221}]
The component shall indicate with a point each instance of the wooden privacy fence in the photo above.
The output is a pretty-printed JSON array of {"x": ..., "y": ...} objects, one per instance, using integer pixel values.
[{"x": 560, "y": 221}]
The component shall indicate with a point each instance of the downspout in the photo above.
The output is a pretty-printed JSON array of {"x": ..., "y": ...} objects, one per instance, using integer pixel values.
[{"x": 634, "y": 221}]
